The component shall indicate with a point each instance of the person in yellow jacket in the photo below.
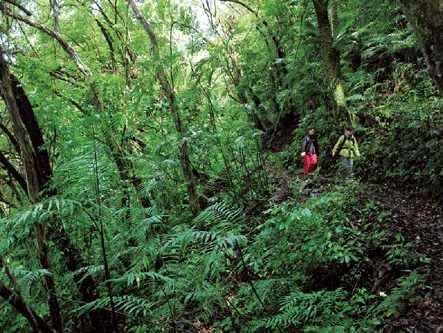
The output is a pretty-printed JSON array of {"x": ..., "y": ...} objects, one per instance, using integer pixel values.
[{"x": 347, "y": 148}]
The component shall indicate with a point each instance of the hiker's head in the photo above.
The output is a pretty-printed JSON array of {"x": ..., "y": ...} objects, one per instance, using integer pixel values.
[
  {"x": 311, "y": 131},
  {"x": 349, "y": 130}
]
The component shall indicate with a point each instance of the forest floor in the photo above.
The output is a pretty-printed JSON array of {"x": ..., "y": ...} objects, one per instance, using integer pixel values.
[{"x": 420, "y": 221}]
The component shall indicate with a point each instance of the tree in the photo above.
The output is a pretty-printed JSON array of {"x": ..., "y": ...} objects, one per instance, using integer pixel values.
[
  {"x": 331, "y": 59},
  {"x": 34, "y": 187},
  {"x": 170, "y": 94},
  {"x": 123, "y": 163},
  {"x": 32, "y": 130},
  {"x": 426, "y": 18}
]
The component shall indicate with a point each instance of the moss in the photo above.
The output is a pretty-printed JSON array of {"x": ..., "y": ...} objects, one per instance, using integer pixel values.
[{"x": 426, "y": 18}]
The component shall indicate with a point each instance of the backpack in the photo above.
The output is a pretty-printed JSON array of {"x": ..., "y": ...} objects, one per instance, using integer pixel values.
[{"x": 352, "y": 140}]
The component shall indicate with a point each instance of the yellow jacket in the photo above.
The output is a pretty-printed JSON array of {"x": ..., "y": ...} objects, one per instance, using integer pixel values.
[{"x": 349, "y": 146}]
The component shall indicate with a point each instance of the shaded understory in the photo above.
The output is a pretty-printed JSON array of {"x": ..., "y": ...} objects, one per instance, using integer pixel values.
[{"x": 420, "y": 221}]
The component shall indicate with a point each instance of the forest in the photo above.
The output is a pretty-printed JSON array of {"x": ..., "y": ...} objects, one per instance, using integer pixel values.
[{"x": 151, "y": 177}]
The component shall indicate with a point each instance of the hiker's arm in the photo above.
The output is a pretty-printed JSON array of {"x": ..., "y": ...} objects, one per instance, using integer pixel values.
[
  {"x": 303, "y": 145},
  {"x": 357, "y": 151},
  {"x": 334, "y": 151}
]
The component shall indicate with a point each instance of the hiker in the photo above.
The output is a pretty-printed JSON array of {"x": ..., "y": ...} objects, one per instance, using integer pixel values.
[
  {"x": 309, "y": 151},
  {"x": 347, "y": 148}
]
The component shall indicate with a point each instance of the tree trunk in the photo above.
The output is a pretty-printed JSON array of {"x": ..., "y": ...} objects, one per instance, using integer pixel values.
[
  {"x": 236, "y": 78},
  {"x": 86, "y": 285},
  {"x": 331, "y": 61},
  {"x": 74, "y": 261},
  {"x": 17, "y": 303},
  {"x": 18, "y": 293},
  {"x": 27, "y": 115},
  {"x": 277, "y": 75},
  {"x": 33, "y": 186},
  {"x": 37, "y": 144},
  {"x": 13, "y": 172},
  {"x": 9, "y": 134},
  {"x": 178, "y": 121},
  {"x": 426, "y": 18}
]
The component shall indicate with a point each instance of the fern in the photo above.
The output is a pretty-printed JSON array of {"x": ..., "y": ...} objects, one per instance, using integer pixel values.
[
  {"x": 221, "y": 215},
  {"x": 128, "y": 305},
  {"x": 44, "y": 210},
  {"x": 324, "y": 308},
  {"x": 27, "y": 278},
  {"x": 139, "y": 278},
  {"x": 75, "y": 175},
  {"x": 93, "y": 270}
]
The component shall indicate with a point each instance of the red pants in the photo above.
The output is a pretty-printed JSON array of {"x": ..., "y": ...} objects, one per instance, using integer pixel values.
[{"x": 309, "y": 161}]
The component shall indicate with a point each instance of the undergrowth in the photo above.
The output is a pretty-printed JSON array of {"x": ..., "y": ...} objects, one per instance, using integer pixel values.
[{"x": 317, "y": 266}]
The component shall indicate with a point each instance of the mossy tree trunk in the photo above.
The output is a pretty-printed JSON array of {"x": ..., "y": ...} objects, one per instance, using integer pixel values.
[
  {"x": 331, "y": 61},
  {"x": 235, "y": 75},
  {"x": 426, "y": 18}
]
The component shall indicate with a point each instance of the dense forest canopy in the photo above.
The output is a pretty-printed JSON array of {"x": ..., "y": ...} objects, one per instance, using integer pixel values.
[{"x": 150, "y": 170}]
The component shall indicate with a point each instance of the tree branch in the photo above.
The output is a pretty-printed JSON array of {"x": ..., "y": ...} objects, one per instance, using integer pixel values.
[
  {"x": 14, "y": 173},
  {"x": 15, "y": 4},
  {"x": 15, "y": 301},
  {"x": 11, "y": 137},
  {"x": 19, "y": 294},
  {"x": 68, "y": 49}
]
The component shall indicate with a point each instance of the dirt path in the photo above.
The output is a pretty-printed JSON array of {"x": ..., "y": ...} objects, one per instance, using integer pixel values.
[{"x": 420, "y": 221}]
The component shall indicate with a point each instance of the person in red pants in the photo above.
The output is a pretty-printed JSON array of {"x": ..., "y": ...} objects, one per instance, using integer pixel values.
[{"x": 309, "y": 151}]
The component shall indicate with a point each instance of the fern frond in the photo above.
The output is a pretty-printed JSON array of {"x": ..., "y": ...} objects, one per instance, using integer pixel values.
[
  {"x": 27, "y": 278},
  {"x": 44, "y": 210},
  {"x": 133, "y": 277},
  {"x": 142, "y": 230},
  {"x": 129, "y": 305},
  {"x": 221, "y": 215},
  {"x": 91, "y": 270},
  {"x": 323, "y": 307},
  {"x": 272, "y": 287}
]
